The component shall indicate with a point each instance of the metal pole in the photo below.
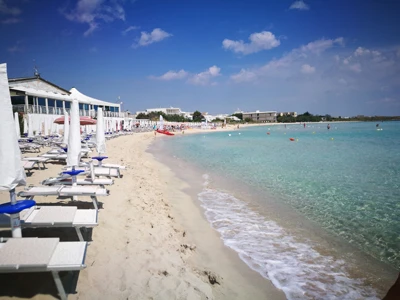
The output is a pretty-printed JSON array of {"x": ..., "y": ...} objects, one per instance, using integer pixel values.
[{"x": 14, "y": 218}]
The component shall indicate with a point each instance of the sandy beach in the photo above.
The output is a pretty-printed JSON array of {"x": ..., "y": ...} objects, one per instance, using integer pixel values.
[{"x": 152, "y": 241}]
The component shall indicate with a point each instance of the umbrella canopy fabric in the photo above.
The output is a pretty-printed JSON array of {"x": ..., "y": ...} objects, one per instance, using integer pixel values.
[
  {"x": 16, "y": 121},
  {"x": 100, "y": 138},
  {"x": 30, "y": 125},
  {"x": 82, "y": 120},
  {"x": 66, "y": 128},
  {"x": 74, "y": 137},
  {"x": 161, "y": 123},
  {"x": 12, "y": 174}
]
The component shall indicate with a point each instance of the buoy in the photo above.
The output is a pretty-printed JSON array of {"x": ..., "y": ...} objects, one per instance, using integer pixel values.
[
  {"x": 285, "y": 133},
  {"x": 292, "y": 139},
  {"x": 239, "y": 133},
  {"x": 297, "y": 140},
  {"x": 331, "y": 139},
  {"x": 313, "y": 132},
  {"x": 229, "y": 134},
  {"x": 268, "y": 133}
]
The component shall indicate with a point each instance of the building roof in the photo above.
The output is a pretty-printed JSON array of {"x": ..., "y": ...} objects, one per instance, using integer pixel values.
[
  {"x": 260, "y": 112},
  {"x": 15, "y": 80}
]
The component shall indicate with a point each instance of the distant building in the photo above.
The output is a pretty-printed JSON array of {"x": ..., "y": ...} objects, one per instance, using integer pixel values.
[
  {"x": 261, "y": 116},
  {"x": 288, "y": 113},
  {"x": 168, "y": 111}
]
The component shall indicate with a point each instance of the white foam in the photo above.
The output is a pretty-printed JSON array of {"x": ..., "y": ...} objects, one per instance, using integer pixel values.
[{"x": 294, "y": 267}]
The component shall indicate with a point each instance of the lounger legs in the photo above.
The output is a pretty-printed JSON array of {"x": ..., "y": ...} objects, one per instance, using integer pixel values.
[
  {"x": 59, "y": 285},
  {"x": 79, "y": 233},
  {"x": 94, "y": 199}
]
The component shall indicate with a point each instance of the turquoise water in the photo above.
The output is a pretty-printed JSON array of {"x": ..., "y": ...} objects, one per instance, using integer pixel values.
[{"x": 345, "y": 179}]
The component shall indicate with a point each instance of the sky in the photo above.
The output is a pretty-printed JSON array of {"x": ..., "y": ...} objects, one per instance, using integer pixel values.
[{"x": 338, "y": 57}]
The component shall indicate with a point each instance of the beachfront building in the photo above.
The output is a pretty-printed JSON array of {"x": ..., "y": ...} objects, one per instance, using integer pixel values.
[
  {"x": 41, "y": 102},
  {"x": 288, "y": 114},
  {"x": 168, "y": 111},
  {"x": 261, "y": 116}
]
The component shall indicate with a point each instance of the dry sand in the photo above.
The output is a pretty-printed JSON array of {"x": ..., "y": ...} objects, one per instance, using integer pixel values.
[{"x": 152, "y": 241}]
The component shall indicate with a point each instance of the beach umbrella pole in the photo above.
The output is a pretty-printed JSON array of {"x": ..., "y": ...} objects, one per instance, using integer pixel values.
[{"x": 14, "y": 218}]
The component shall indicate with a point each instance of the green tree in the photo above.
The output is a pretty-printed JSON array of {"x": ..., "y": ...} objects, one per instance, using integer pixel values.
[
  {"x": 238, "y": 115},
  {"x": 248, "y": 120},
  {"x": 197, "y": 116}
]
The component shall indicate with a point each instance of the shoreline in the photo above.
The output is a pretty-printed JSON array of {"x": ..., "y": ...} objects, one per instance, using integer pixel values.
[
  {"x": 143, "y": 247},
  {"x": 364, "y": 265}
]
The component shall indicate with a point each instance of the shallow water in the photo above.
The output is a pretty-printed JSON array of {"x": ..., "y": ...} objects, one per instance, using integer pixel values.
[{"x": 344, "y": 180}]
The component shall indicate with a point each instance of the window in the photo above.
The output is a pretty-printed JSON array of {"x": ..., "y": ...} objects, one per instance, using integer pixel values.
[
  {"x": 96, "y": 107},
  {"x": 18, "y": 100},
  {"x": 30, "y": 100},
  {"x": 80, "y": 106},
  {"x": 67, "y": 104},
  {"x": 59, "y": 103},
  {"x": 41, "y": 101},
  {"x": 51, "y": 102}
]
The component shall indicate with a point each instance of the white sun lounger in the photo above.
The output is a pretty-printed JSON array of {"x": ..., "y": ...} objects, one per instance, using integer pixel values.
[
  {"x": 100, "y": 171},
  {"x": 55, "y": 156},
  {"x": 24, "y": 255},
  {"x": 65, "y": 191},
  {"x": 55, "y": 216},
  {"x": 29, "y": 165},
  {"x": 37, "y": 159}
]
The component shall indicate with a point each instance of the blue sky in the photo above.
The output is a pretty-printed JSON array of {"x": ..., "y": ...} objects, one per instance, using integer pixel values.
[{"x": 324, "y": 56}]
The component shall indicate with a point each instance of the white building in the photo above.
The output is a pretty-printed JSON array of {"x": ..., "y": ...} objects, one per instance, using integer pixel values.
[{"x": 42, "y": 102}]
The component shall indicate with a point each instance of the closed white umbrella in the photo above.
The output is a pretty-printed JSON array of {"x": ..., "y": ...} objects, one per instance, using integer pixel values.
[
  {"x": 161, "y": 127},
  {"x": 25, "y": 125},
  {"x": 100, "y": 138},
  {"x": 12, "y": 173},
  {"x": 74, "y": 137},
  {"x": 16, "y": 121},
  {"x": 30, "y": 126},
  {"x": 66, "y": 127}
]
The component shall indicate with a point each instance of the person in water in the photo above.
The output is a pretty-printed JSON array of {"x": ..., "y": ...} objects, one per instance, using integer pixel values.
[
  {"x": 377, "y": 125},
  {"x": 329, "y": 126}
]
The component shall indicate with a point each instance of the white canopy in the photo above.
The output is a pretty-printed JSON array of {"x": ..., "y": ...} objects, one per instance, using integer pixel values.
[
  {"x": 66, "y": 127},
  {"x": 16, "y": 121},
  {"x": 41, "y": 93},
  {"x": 30, "y": 125},
  {"x": 100, "y": 138},
  {"x": 75, "y": 94},
  {"x": 161, "y": 126},
  {"x": 74, "y": 137},
  {"x": 12, "y": 174}
]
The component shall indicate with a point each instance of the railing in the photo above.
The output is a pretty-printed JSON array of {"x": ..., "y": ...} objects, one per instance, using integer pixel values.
[{"x": 38, "y": 109}]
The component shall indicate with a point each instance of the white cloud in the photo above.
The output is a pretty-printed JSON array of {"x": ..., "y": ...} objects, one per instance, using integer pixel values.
[
  {"x": 307, "y": 69},
  {"x": 146, "y": 38},
  {"x": 321, "y": 45},
  {"x": 172, "y": 75},
  {"x": 244, "y": 76},
  {"x": 93, "y": 12},
  {"x": 300, "y": 5},
  {"x": 204, "y": 78},
  {"x": 6, "y": 10},
  {"x": 130, "y": 28},
  {"x": 276, "y": 67},
  {"x": 259, "y": 41},
  {"x": 11, "y": 21},
  {"x": 355, "y": 68}
]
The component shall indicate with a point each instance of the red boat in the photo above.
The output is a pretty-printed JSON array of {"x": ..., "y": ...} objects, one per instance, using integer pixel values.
[{"x": 166, "y": 132}]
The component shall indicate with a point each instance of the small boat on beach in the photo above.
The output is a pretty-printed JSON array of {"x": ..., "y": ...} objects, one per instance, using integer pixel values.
[{"x": 166, "y": 132}]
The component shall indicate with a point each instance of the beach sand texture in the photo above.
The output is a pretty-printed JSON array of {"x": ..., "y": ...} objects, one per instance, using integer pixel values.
[{"x": 152, "y": 241}]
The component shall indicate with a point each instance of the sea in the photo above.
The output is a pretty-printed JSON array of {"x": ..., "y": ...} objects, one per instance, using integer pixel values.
[{"x": 314, "y": 210}]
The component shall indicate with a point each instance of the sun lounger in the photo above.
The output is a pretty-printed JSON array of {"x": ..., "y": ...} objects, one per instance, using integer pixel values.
[
  {"x": 55, "y": 156},
  {"x": 67, "y": 180},
  {"x": 55, "y": 216},
  {"x": 100, "y": 171},
  {"x": 65, "y": 191},
  {"x": 24, "y": 255},
  {"x": 29, "y": 165},
  {"x": 37, "y": 159}
]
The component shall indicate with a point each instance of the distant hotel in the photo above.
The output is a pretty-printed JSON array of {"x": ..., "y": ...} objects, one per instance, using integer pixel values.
[
  {"x": 261, "y": 116},
  {"x": 167, "y": 111}
]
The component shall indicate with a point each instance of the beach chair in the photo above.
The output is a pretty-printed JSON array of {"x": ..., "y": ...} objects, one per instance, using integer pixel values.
[
  {"x": 65, "y": 191},
  {"x": 24, "y": 255},
  {"x": 38, "y": 159},
  {"x": 29, "y": 165},
  {"x": 66, "y": 179},
  {"x": 99, "y": 171},
  {"x": 55, "y": 156},
  {"x": 55, "y": 216}
]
